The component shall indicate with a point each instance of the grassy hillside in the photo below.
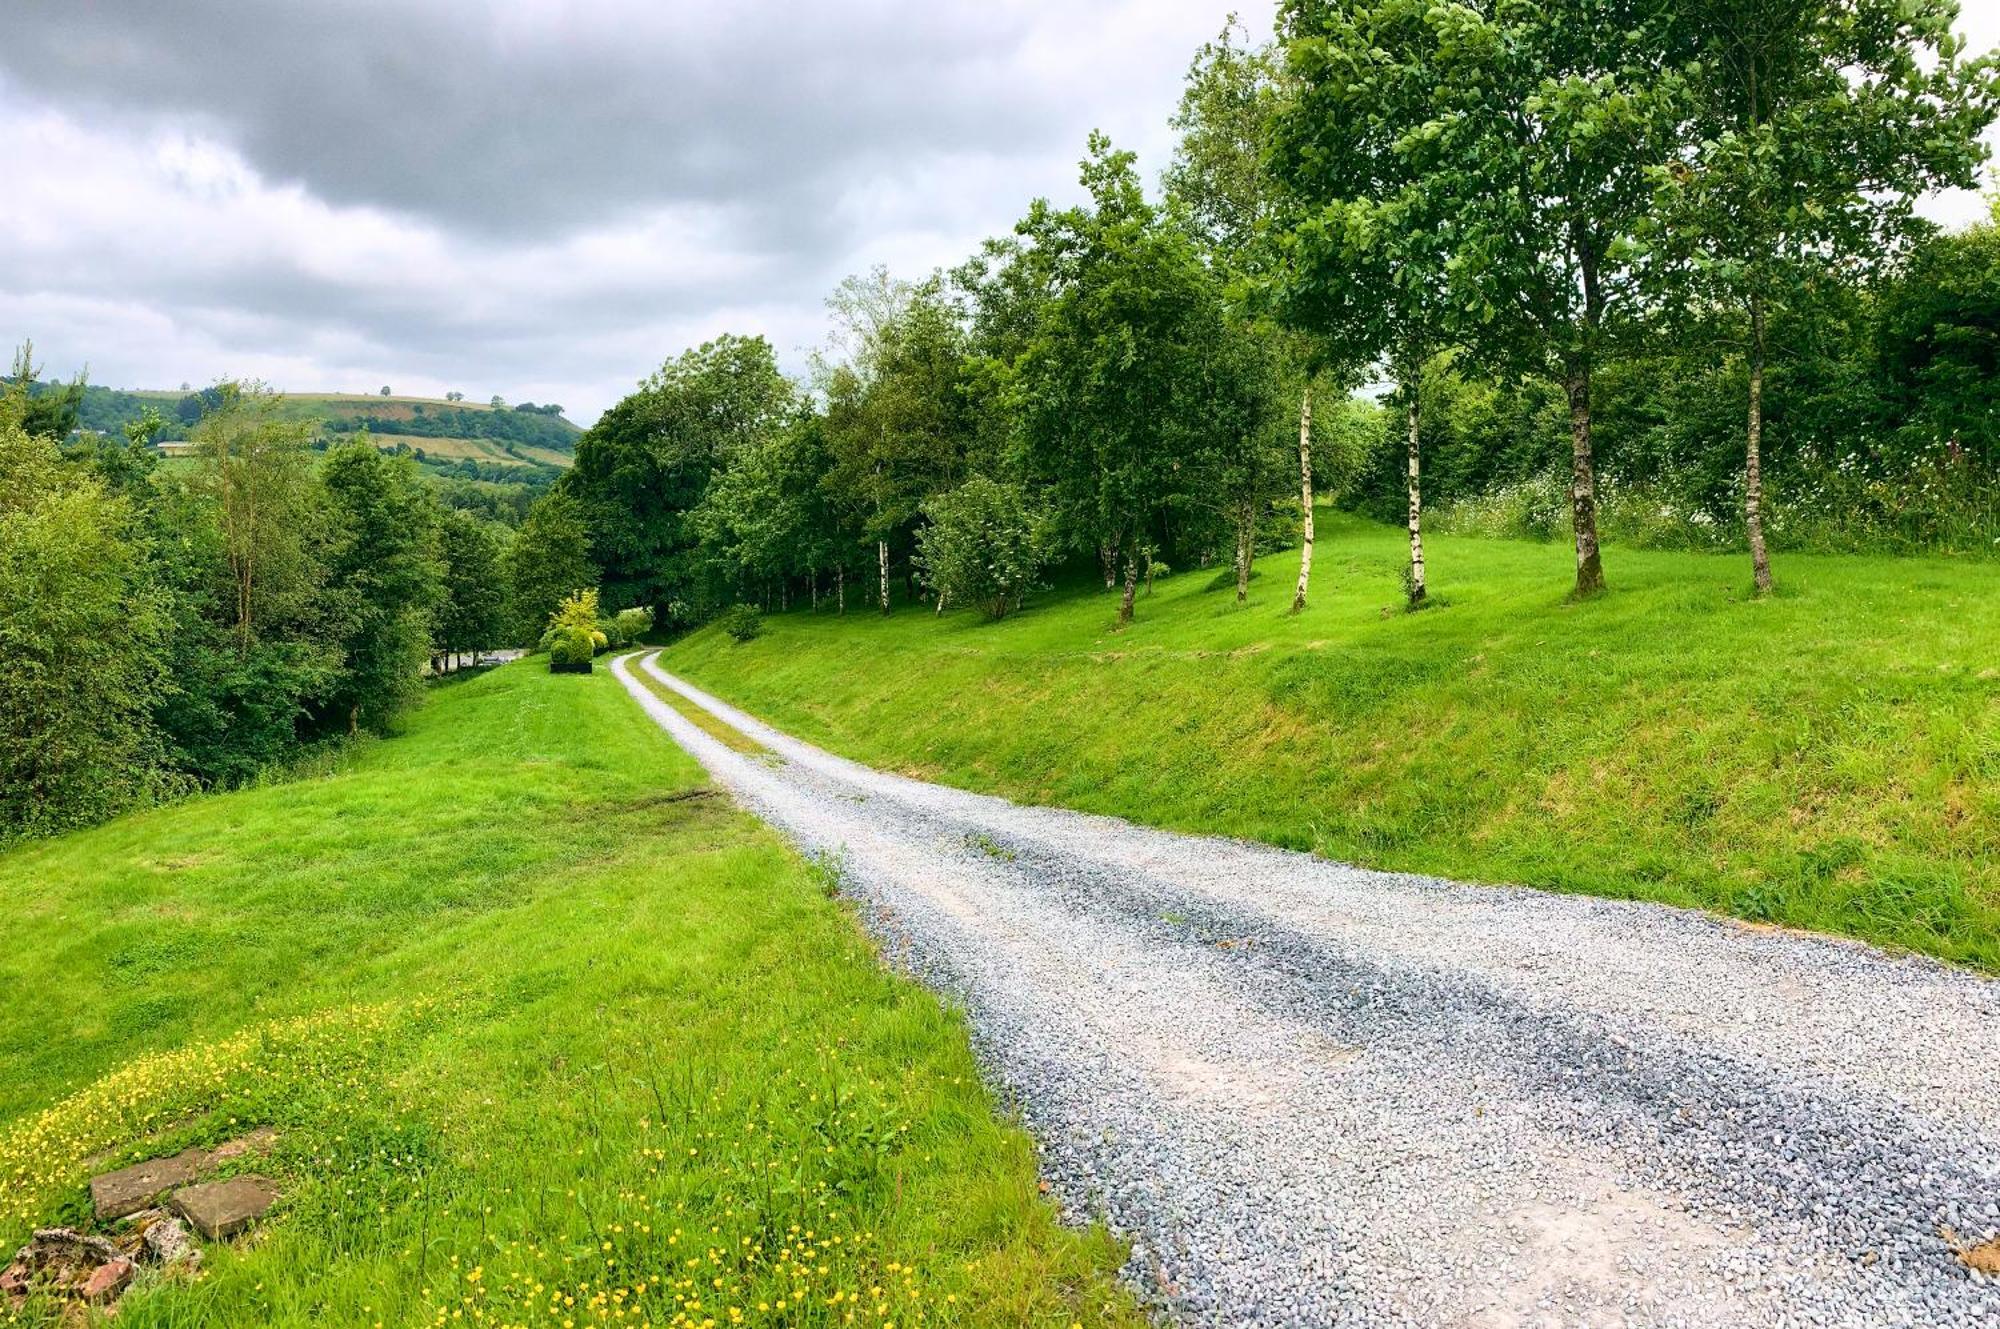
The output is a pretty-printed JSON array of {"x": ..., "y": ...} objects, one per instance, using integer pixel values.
[
  {"x": 551, "y": 1034},
  {"x": 1828, "y": 759},
  {"x": 445, "y": 431}
]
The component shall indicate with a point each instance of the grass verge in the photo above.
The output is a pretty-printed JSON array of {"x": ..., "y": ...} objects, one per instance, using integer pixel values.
[
  {"x": 1827, "y": 759},
  {"x": 547, "y": 1040}
]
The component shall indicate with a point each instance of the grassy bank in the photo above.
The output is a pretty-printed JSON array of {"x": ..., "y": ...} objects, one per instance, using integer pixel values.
[
  {"x": 551, "y": 1034},
  {"x": 1828, "y": 759}
]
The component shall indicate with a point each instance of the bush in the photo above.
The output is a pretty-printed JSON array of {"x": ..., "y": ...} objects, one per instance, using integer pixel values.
[
  {"x": 981, "y": 546},
  {"x": 632, "y": 624},
  {"x": 743, "y": 622},
  {"x": 600, "y": 641},
  {"x": 570, "y": 650},
  {"x": 578, "y": 609}
]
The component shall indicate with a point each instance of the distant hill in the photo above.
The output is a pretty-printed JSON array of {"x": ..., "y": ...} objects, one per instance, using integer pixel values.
[{"x": 445, "y": 434}]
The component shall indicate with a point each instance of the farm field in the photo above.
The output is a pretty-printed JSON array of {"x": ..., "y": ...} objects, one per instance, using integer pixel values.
[
  {"x": 1828, "y": 759},
  {"x": 453, "y": 449},
  {"x": 550, "y": 1035}
]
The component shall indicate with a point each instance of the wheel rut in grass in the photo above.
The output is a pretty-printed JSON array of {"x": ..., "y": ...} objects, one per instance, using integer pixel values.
[{"x": 1314, "y": 1094}]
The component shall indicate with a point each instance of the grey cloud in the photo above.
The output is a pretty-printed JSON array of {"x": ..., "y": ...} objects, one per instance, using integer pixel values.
[
  {"x": 541, "y": 199},
  {"x": 503, "y": 118}
]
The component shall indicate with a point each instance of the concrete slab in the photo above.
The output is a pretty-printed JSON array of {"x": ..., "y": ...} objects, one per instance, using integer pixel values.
[{"x": 223, "y": 1208}]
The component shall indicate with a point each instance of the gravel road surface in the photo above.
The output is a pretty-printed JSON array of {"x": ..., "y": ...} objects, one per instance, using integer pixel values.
[{"x": 1311, "y": 1094}]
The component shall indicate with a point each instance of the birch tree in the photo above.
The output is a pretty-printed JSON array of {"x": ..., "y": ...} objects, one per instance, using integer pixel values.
[
  {"x": 256, "y": 469},
  {"x": 1814, "y": 125},
  {"x": 1365, "y": 247},
  {"x": 1219, "y": 186},
  {"x": 1519, "y": 134}
]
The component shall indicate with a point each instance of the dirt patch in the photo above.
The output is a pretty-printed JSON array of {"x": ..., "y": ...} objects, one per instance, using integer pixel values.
[
  {"x": 1984, "y": 1257},
  {"x": 1589, "y": 1258}
]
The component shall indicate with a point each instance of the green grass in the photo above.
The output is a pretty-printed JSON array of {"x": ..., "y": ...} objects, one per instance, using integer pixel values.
[
  {"x": 1827, "y": 759},
  {"x": 551, "y": 1033}
]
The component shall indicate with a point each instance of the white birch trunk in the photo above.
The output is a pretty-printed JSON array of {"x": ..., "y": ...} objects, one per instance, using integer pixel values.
[
  {"x": 1305, "y": 498},
  {"x": 1416, "y": 507}
]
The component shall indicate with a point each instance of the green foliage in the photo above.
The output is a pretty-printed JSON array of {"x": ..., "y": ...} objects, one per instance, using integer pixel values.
[
  {"x": 548, "y": 561},
  {"x": 743, "y": 623},
  {"x": 642, "y": 471},
  {"x": 577, "y": 610},
  {"x": 473, "y": 614},
  {"x": 570, "y": 649},
  {"x": 80, "y": 643},
  {"x": 627, "y": 626},
  {"x": 383, "y": 583},
  {"x": 772, "y": 512},
  {"x": 981, "y": 545}
]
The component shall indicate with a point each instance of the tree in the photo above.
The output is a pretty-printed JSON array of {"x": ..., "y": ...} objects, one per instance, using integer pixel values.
[
  {"x": 473, "y": 614},
  {"x": 1363, "y": 254},
  {"x": 385, "y": 389},
  {"x": 1529, "y": 149},
  {"x": 255, "y": 468},
  {"x": 384, "y": 581},
  {"x": 898, "y": 426},
  {"x": 1219, "y": 185},
  {"x": 980, "y": 545},
  {"x": 770, "y": 512},
  {"x": 1815, "y": 125},
  {"x": 80, "y": 637},
  {"x": 642, "y": 470},
  {"x": 549, "y": 559},
  {"x": 1938, "y": 336},
  {"x": 454, "y": 396},
  {"x": 497, "y": 402},
  {"x": 1114, "y": 386}
]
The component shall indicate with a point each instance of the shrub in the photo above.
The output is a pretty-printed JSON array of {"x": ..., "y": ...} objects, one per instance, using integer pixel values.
[
  {"x": 981, "y": 545},
  {"x": 570, "y": 650},
  {"x": 743, "y": 622},
  {"x": 631, "y": 624},
  {"x": 578, "y": 609},
  {"x": 599, "y": 640}
]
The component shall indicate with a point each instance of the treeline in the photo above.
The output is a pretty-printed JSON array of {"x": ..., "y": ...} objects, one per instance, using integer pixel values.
[
  {"x": 1647, "y": 269},
  {"x": 1879, "y": 426},
  {"x": 168, "y": 628},
  {"x": 525, "y": 424}
]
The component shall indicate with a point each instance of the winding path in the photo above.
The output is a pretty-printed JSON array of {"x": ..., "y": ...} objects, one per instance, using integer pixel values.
[{"x": 1311, "y": 1094}]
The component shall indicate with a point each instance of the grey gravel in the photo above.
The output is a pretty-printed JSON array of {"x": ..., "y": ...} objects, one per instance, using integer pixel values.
[{"x": 1312, "y": 1094}]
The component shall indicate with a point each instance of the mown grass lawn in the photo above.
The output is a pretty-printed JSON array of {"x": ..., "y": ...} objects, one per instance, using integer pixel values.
[
  {"x": 1828, "y": 759},
  {"x": 551, "y": 1036}
]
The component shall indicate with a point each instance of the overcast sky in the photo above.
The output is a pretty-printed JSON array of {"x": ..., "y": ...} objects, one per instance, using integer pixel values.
[{"x": 539, "y": 198}]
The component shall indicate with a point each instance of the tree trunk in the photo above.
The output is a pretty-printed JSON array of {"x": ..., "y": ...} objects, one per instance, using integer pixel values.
[
  {"x": 1244, "y": 537},
  {"x": 1131, "y": 589},
  {"x": 1107, "y": 556},
  {"x": 1583, "y": 485},
  {"x": 812, "y": 584},
  {"x": 1753, "y": 459},
  {"x": 1416, "y": 504},
  {"x": 840, "y": 588},
  {"x": 1305, "y": 498},
  {"x": 882, "y": 559}
]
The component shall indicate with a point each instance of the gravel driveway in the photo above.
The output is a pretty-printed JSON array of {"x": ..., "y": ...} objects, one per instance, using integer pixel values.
[{"x": 1316, "y": 1095}]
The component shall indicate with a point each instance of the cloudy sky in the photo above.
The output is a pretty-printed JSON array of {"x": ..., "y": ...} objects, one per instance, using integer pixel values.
[{"x": 539, "y": 198}]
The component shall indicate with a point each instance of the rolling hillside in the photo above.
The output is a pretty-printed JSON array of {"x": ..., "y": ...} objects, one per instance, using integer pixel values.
[{"x": 438, "y": 431}]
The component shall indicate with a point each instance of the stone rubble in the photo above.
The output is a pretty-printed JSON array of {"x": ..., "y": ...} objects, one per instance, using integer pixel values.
[{"x": 96, "y": 1269}]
